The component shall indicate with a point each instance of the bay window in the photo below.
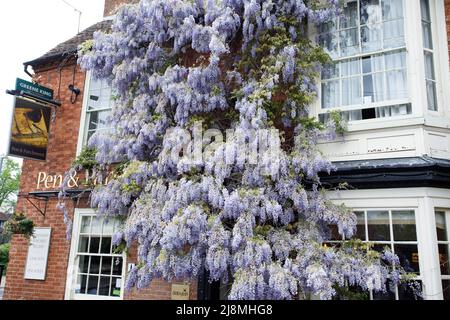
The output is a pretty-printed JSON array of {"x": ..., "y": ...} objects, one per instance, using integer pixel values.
[
  {"x": 443, "y": 237},
  {"x": 396, "y": 230},
  {"x": 370, "y": 47}
]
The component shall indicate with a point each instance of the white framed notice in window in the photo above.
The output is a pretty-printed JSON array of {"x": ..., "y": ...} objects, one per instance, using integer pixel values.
[{"x": 36, "y": 266}]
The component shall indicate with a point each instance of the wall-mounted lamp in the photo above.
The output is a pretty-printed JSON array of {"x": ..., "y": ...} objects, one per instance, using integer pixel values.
[{"x": 75, "y": 91}]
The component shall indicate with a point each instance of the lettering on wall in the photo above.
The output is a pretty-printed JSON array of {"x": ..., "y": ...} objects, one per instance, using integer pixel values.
[{"x": 46, "y": 181}]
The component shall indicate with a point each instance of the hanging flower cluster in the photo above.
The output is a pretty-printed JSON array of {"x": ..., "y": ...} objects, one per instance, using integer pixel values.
[{"x": 230, "y": 64}]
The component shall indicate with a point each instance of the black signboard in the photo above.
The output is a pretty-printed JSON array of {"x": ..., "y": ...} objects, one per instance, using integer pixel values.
[{"x": 30, "y": 129}]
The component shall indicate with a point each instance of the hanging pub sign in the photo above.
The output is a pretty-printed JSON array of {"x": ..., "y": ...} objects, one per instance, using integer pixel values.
[
  {"x": 34, "y": 89},
  {"x": 30, "y": 129}
]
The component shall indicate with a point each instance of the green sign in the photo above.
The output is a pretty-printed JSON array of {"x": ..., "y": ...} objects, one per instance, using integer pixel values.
[{"x": 35, "y": 89}]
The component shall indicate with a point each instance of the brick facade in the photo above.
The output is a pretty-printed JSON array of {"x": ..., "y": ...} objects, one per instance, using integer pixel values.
[{"x": 61, "y": 152}]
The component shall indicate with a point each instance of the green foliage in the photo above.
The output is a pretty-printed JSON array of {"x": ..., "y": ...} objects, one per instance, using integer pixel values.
[
  {"x": 86, "y": 159},
  {"x": 85, "y": 47},
  {"x": 339, "y": 122},
  {"x": 19, "y": 224},
  {"x": 346, "y": 293},
  {"x": 4, "y": 254},
  {"x": 9, "y": 184}
]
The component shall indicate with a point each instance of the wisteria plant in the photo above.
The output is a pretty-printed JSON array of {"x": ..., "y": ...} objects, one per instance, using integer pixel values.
[{"x": 247, "y": 68}]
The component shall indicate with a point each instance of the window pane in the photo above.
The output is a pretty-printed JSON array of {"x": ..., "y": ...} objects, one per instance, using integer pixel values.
[
  {"x": 441, "y": 226},
  {"x": 350, "y": 67},
  {"x": 378, "y": 225},
  {"x": 371, "y": 38},
  {"x": 360, "y": 227},
  {"x": 84, "y": 264},
  {"x": 393, "y": 34},
  {"x": 370, "y": 11},
  {"x": 446, "y": 289},
  {"x": 99, "y": 120},
  {"x": 404, "y": 225},
  {"x": 334, "y": 233},
  {"x": 84, "y": 244},
  {"x": 431, "y": 95},
  {"x": 409, "y": 256},
  {"x": 427, "y": 37},
  {"x": 115, "y": 287},
  {"x": 108, "y": 226},
  {"x": 429, "y": 66},
  {"x": 92, "y": 285},
  {"x": 330, "y": 71},
  {"x": 96, "y": 225},
  {"x": 329, "y": 42},
  {"x": 425, "y": 10},
  {"x": 444, "y": 259},
  {"x": 350, "y": 15},
  {"x": 106, "y": 265},
  {"x": 351, "y": 91},
  {"x": 330, "y": 94},
  {"x": 95, "y": 265},
  {"x": 95, "y": 245},
  {"x": 396, "y": 85},
  {"x": 106, "y": 245},
  {"x": 103, "y": 290},
  {"x": 117, "y": 266},
  {"x": 349, "y": 42},
  {"x": 81, "y": 285},
  {"x": 85, "y": 224}
]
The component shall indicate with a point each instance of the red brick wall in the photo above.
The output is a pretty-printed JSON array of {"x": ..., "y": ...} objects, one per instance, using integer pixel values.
[
  {"x": 61, "y": 152},
  {"x": 111, "y": 6}
]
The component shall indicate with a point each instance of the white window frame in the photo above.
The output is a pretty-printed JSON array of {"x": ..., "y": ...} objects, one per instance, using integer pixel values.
[
  {"x": 447, "y": 243},
  {"x": 71, "y": 278},
  {"x": 416, "y": 83},
  {"x": 392, "y": 241},
  {"x": 84, "y": 123}
]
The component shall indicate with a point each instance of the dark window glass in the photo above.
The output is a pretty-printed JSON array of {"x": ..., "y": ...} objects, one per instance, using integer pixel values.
[
  {"x": 95, "y": 265},
  {"x": 409, "y": 256},
  {"x": 84, "y": 264},
  {"x": 106, "y": 245},
  {"x": 360, "y": 227},
  {"x": 441, "y": 226},
  {"x": 334, "y": 233},
  {"x": 404, "y": 225},
  {"x": 83, "y": 245},
  {"x": 115, "y": 287},
  {"x": 446, "y": 289},
  {"x": 92, "y": 285},
  {"x": 444, "y": 259},
  {"x": 106, "y": 265},
  {"x": 103, "y": 289},
  {"x": 378, "y": 225},
  {"x": 82, "y": 282},
  {"x": 117, "y": 266},
  {"x": 95, "y": 245}
]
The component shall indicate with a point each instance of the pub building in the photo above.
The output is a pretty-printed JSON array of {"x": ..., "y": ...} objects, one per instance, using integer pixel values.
[{"x": 390, "y": 81}]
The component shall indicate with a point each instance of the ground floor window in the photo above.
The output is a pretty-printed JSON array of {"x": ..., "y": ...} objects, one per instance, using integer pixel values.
[
  {"x": 443, "y": 238},
  {"x": 395, "y": 229},
  {"x": 98, "y": 271}
]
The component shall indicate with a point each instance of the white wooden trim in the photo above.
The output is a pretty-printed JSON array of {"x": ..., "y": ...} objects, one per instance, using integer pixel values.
[
  {"x": 82, "y": 131},
  {"x": 71, "y": 278}
]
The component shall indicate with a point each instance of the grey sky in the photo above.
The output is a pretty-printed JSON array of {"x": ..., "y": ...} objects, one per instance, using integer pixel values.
[{"x": 28, "y": 29}]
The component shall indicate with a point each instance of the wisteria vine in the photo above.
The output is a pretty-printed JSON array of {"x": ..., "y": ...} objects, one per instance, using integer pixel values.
[{"x": 230, "y": 64}]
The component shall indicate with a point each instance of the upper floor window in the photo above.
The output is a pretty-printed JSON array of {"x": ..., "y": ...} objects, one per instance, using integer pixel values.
[
  {"x": 368, "y": 77},
  {"x": 430, "y": 75},
  {"x": 98, "y": 106}
]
